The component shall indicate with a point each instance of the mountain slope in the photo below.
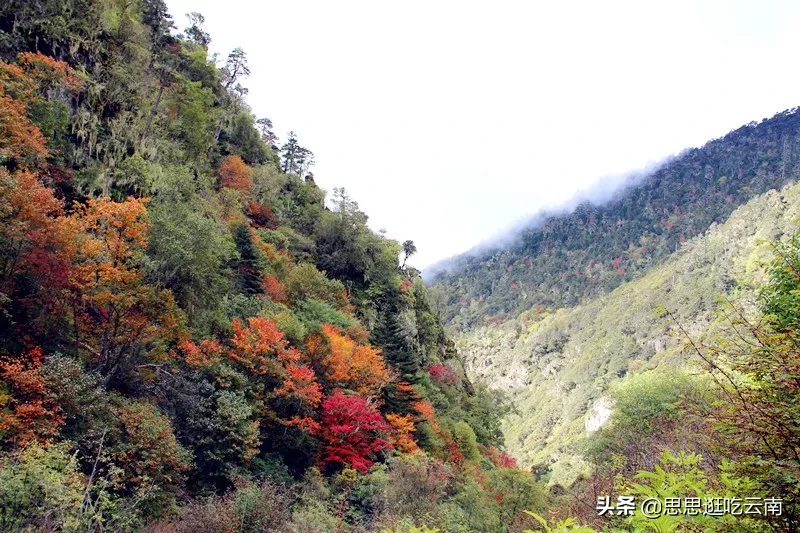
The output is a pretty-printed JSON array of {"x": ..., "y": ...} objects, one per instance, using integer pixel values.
[
  {"x": 192, "y": 333},
  {"x": 594, "y": 249},
  {"x": 558, "y": 317},
  {"x": 558, "y": 365}
]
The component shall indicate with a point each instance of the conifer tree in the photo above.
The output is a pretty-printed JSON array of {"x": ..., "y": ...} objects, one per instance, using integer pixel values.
[
  {"x": 388, "y": 335},
  {"x": 248, "y": 265}
]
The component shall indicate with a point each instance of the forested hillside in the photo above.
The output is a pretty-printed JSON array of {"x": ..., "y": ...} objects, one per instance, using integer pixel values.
[
  {"x": 562, "y": 366},
  {"x": 193, "y": 335},
  {"x": 631, "y": 337},
  {"x": 567, "y": 258}
]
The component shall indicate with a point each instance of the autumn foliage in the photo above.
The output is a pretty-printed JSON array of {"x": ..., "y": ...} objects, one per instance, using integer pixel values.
[
  {"x": 35, "y": 74},
  {"x": 35, "y": 242},
  {"x": 22, "y": 85},
  {"x": 204, "y": 354},
  {"x": 499, "y": 458},
  {"x": 20, "y": 141},
  {"x": 260, "y": 347},
  {"x": 27, "y": 410},
  {"x": 261, "y": 215},
  {"x": 116, "y": 314},
  {"x": 357, "y": 367},
  {"x": 172, "y": 343},
  {"x": 36, "y": 247},
  {"x": 235, "y": 174},
  {"x": 442, "y": 374},
  {"x": 274, "y": 289},
  {"x": 402, "y": 432},
  {"x": 353, "y": 430}
]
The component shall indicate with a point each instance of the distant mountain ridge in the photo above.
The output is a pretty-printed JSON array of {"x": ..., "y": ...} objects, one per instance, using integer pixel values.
[
  {"x": 558, "y": 367},
  {"x": 572, "y": 307},
  {"x": 567, "y": 258}
]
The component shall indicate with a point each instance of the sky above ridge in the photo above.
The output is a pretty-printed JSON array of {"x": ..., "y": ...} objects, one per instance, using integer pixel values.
[{"x": 450, "y": 121}]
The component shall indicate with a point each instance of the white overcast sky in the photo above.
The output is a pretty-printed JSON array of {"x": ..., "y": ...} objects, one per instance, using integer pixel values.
[{"x": 449, "y": 121}]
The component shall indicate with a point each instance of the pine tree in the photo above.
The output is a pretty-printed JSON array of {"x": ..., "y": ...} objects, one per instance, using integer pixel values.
[
  {"x": 388, "y": 335},
  {"x": 248, "y": 265},
  {"x": 296, "y": 158}
]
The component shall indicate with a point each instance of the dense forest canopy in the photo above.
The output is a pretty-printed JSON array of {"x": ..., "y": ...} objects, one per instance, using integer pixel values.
[
  {"x": 597, "y": 323},
  {"x": 189, "y": 324},
  {"x": 564, "y": 259},
  {"x": 195, "y": 337}
]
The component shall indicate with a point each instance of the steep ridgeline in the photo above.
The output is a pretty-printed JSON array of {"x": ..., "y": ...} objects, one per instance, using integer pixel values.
[
  {"x": 559, "y": 366},
  {"x": 556, "y": 319},
  {"x": 565, "y": 259},
  {"x": 193, "y": 334}
]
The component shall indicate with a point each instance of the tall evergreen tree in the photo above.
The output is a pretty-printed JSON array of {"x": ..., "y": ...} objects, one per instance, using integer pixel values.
[
  {"x": 248, "y": 265},
  {"x": 296, "y": 158},
  {"x": 388, "y": 335}
]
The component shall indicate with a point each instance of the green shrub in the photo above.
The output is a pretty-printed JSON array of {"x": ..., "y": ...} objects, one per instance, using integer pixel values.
[
  {"x": 313, "y": 313},
  {"x": 42, "y": 489}
]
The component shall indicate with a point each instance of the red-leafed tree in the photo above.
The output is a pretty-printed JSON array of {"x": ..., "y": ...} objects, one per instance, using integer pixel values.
[
  {"x": 442, "y": 374},
  {"x": 36, "y": 249},
  {"x": 261, "y": 215},
  {"x": 34, "y": 243},
  {"x": 498, "y": 458},
  {"x": 353, "y": 431},
  {"x": 27, "y": 411},
  {"x": 274, "y": 289}
]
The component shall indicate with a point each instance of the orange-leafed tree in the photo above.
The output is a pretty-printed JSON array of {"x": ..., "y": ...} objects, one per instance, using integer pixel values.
[
  {"x": 34, "y": 243},
  {"x": 235, "y": 174},
  {"x": 274, "y": 289},
  {"x": 27, "y": 410},
  {"x": 36, "y": 250},
  {"x": 300, "y": 384},
  {"x": 288, "y": 387},
  {"x": 402, "y": 432},
  {"x": 121, "y": 323},
  {"x": 34, "y": 75},
  {"x": 204, "y": 354},
  {"x": 22, "y": 85},
  {"x": 357, "y": 367},
  {"x": 49, "y": 73},
  {"x": 22, "y": 144},
  {"x": 426, "y": 413},
  {"x": 260, "y": 347}
]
